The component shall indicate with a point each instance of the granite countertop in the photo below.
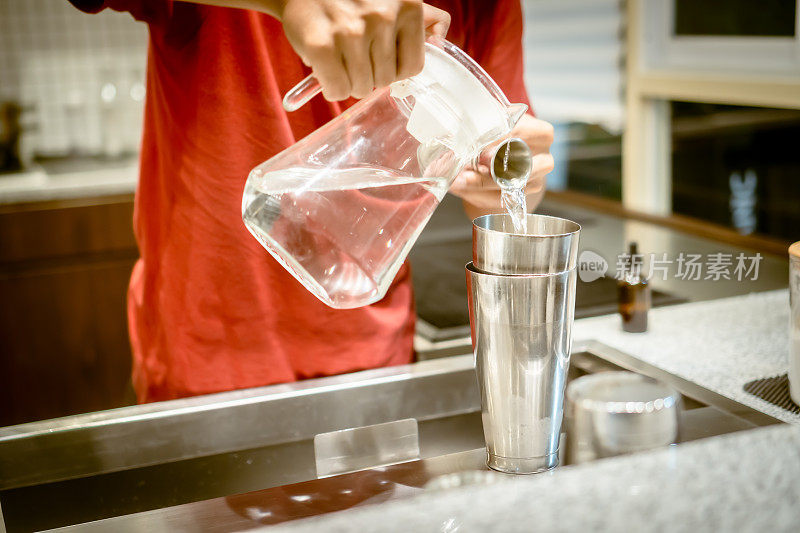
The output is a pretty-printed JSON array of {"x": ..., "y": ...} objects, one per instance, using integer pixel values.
[
  {"x": 719, "y": 344},
  {"x": 747, "y": 481}
]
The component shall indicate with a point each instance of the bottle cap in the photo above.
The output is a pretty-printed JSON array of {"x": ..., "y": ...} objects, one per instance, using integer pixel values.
[{"x": 794, "y": 250}]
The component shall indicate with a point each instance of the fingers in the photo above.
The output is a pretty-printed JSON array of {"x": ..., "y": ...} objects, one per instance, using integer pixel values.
[
  {"x": 328, "y": 67},
  {"x": 541, "y": 166},
  {"x": 353, "y": 46},
  {"x": 541, "y": 137},
  {"x": 383, "y": 49},
  {"x": 355, "y": 49},
  {"x": 536, "y": 133},
  {"x": 534, "y": 189},
  {"x": 410, "y": 39},
  {"x": 435, "y": 21},
  {"x": 470, "y": 180}
]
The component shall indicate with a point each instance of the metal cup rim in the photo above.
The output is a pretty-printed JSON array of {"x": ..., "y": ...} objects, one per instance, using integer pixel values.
[
  {"x": 476, "y": 224},
  {"x": 671, "y": 398},
  {"x": 470, "y": 267}
]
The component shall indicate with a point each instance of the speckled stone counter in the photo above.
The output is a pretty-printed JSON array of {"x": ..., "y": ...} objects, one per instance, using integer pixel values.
[
  {"x": 743, "y": 482},
  {"x": 748, "y": 481},
  {"x": 719, "y": 344}
]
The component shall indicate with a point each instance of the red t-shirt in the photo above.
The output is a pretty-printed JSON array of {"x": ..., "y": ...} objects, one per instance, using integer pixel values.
[{"x": 209, "y": 309}]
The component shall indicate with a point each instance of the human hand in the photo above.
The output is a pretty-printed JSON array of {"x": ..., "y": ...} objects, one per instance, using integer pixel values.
[
  {"x": 354, "y": 46},
  {"x": 480, "y": 193}
]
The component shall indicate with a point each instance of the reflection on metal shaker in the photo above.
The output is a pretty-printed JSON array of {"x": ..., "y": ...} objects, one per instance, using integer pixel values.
[{"x": 521, "y": 306}]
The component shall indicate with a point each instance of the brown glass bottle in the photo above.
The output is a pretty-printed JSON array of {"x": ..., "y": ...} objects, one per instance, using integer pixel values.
[{"x": 633, "y": 292}]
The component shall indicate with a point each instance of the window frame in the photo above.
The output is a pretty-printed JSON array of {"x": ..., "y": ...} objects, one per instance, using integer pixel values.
[
  {"x": 724, "y": 54},
  {"x": 661, "y": 67}
]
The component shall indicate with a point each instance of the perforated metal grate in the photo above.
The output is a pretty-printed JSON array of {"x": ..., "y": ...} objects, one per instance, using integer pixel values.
[{"x": 775, "y": 390}]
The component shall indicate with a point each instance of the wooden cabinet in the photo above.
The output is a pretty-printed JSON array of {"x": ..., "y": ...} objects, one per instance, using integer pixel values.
[{"x": 64, "y": 270}]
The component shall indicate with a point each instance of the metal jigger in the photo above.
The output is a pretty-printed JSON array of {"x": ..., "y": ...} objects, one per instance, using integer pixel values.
[
  {"x": 521, "y": 308},
  {"x": 613, "y": 413}
]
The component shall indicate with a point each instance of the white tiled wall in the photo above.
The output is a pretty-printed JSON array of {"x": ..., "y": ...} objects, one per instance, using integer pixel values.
[
  {"x": 56, "y": 61},
  {"x": 60, "y": 63}
]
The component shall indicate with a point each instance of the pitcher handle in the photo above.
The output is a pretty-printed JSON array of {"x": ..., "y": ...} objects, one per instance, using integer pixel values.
[{"x": 301, "y": 93}]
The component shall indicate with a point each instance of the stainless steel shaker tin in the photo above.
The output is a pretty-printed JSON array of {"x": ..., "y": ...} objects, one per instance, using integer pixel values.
[
  {"x": 550, "y": 245},
  {"x": 521, "y": 308},
  {"x": 521, "y": 335}
]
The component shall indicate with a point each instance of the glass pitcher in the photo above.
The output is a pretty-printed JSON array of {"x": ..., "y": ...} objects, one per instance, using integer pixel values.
[{"x": 341, "y": 208}]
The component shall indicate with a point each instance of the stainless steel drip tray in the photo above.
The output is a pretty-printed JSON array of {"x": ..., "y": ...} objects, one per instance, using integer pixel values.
[{"x": 158, "y": 456}]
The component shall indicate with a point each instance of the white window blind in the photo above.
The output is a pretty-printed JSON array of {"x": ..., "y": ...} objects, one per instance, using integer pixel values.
[{"x": 574, "y": 60}]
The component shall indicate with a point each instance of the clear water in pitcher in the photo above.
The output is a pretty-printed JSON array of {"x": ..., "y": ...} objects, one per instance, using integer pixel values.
[{"x": 343, "y": 233}]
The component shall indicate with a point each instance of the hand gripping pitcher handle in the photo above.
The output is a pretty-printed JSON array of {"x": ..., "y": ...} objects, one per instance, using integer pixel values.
[{"x": 301, "y": 93}]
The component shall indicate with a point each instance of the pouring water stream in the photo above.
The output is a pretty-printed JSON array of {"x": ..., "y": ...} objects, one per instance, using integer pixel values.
[{"x": 512, "y": 181}]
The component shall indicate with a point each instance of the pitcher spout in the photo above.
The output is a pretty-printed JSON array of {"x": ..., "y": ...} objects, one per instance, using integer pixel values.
[{"x": 515, "y": 112}]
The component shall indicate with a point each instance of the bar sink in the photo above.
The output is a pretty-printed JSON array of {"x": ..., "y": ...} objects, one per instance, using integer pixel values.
[{"x": 253, "y": 449}]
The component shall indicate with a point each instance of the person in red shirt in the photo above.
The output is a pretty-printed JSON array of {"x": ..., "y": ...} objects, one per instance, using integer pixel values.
[{"x": 209, "y": 309}]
